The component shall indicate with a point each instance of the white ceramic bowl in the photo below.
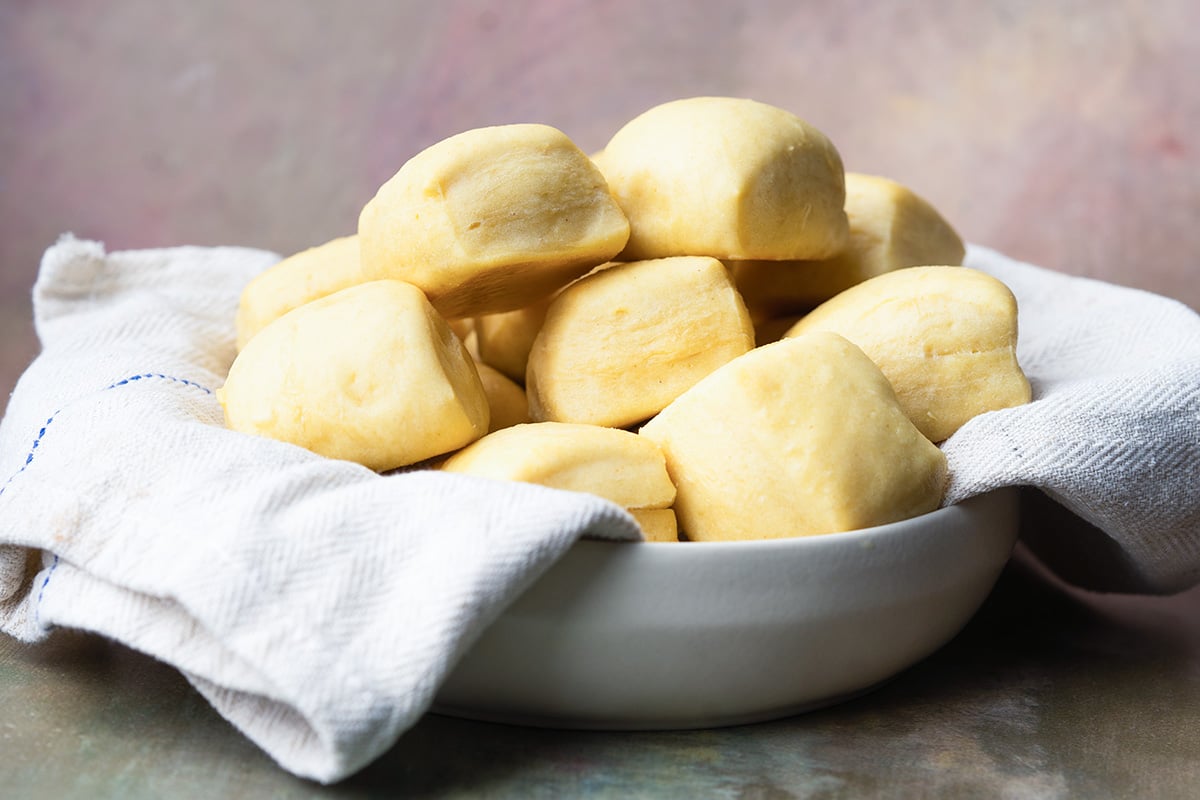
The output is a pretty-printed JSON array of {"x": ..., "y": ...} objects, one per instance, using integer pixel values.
[{"x": 646, "y": 636}]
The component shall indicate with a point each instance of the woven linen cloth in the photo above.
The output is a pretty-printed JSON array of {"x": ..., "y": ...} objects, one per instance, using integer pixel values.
[
  {"x": 1112, "y": 434},
  {"x": 318, "y": 605}
]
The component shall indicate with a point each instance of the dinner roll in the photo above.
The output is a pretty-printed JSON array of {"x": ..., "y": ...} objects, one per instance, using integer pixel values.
[
  {"x": 492, "y": 220},
  {"x": 726, "y": 177},
  {"x": 369, "y": 374},
  {"x": 945, "y": 336},
  {"x": 657, "y": 524},
  {"x": 298, "y": 279},
  {"x": 617, "y": 465},
  {"x": 506, "y": 399},
  {"x": 890, "y": 228},
  {"x": 504, "y": 340},
  {"x": 619, "y": 345},
  {"x": 800, "y": 437}
]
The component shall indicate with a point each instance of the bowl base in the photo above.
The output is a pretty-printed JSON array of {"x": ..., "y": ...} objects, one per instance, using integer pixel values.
[{"x": 526, "y": 720}]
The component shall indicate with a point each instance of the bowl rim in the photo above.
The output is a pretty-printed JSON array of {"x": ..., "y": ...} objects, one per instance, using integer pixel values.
[{"x": 1005, "y": 494}]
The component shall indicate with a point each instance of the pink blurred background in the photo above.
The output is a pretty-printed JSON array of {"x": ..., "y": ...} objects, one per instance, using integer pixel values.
[{"x": 1065, "y": 133}]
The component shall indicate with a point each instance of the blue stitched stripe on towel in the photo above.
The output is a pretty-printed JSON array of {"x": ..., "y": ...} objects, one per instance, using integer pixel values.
[
  {"x": 42, "y": 433},
  {"x": 123, "y": 382}
]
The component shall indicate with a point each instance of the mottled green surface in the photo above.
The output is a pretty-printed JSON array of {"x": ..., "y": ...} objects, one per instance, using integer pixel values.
[{"x": 1048, "y": 693}]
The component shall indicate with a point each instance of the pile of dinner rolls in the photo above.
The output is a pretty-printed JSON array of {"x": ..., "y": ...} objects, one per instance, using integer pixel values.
[{"x": 708, "y": 323}]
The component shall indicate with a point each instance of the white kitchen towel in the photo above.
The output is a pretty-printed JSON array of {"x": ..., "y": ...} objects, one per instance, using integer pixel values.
[
  {"x": 318, "y": 605},
  {"x": 1112, "y": 434}
]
